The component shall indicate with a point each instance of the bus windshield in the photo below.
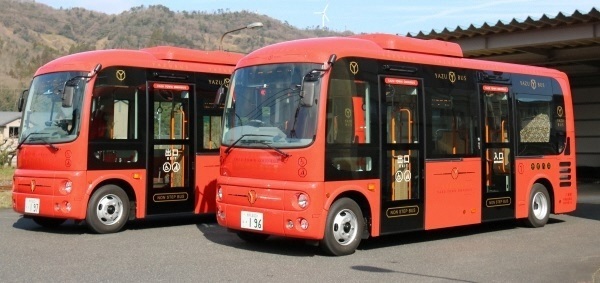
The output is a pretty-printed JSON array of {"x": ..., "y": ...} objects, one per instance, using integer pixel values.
[
  {"x": 44, "y": 119},
  {"x": 263, "y": 107}
]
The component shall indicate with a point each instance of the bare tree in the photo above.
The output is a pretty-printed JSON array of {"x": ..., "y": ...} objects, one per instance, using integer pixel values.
[{"x": 7, "y": 152}]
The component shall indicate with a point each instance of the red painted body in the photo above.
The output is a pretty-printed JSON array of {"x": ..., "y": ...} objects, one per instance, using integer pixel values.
[
  {"x": 41, "y": 170},
  {"x": 262, "y": 180}
]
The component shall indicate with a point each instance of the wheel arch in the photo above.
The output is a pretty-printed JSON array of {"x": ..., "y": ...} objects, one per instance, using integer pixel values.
[
  {"x": 544, "y": 181},
  {"x": 364, "y": 205},
  {"x": 126, "y": 187}
]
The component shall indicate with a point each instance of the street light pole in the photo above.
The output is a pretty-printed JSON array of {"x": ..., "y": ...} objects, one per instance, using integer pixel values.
[{"x": 250, "y": 26}]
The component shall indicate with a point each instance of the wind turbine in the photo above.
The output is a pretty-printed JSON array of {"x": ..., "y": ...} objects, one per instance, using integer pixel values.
[{"x": 323, "y": 16}]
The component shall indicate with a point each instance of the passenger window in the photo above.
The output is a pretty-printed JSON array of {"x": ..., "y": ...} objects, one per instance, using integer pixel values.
[{"x": 452, "y": 125}]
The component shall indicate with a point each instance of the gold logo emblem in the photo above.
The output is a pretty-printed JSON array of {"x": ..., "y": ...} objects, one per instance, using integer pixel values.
[
  {"x": 251, "y": 197},
  {"x": 559, "y": 111},
  {"x": 452, "y": 77},
  {"x": 454, "y": 173},
  {"x": 348, "y": 113},
  {"x": 226, "y": 83},
  {"x": 353, "y": 68},
  {"x": 533, "y": 84},
  {"x": 32, "y": 185},
  {"x": 120, "y": 75}
]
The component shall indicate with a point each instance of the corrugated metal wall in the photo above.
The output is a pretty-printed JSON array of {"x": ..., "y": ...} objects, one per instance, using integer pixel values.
[{"x": 587, "y": 125}]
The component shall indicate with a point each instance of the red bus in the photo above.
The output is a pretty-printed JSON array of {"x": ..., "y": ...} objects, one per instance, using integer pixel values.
[
  {"x": 339, "y": 139},
  {"x": 112, "y": 135}
]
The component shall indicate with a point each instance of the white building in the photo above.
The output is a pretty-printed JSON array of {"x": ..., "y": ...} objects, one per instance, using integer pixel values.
[{"x": 9, "y": 130}]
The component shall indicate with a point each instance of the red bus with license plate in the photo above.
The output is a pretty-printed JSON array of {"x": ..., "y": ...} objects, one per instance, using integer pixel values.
[
  {"x": 338, "y": 139},
  {"x": 112, "y": 135}
]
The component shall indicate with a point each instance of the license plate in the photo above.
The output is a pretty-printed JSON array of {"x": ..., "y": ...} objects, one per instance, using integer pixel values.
[
  {"x": 32, "y": 205},
  {"x": 252, "y": 220}
]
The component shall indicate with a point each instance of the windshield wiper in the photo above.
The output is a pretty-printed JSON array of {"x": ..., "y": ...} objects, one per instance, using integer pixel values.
[
  {"x": 286, "y": 155},
  {"x": 53, "y": 147},
  {"x": 228, "y": 149},
  {"x": 45, "y": 141},
  {"x": 26, "y": 138}
]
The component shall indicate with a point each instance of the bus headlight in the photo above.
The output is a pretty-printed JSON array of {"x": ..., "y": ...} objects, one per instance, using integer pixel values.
[
  {"x": 303, "y": 200},
  {"x": 66, "y": 187}
]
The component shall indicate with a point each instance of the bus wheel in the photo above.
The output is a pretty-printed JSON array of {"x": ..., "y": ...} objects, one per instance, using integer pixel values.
[
  {"x": 252, "y": 237},
  {"x": 539, "y": 206},
  {"x": 108, "y": 210},
  {"x": 344, "y": 228},
  {"x": 48, "y": 222}
]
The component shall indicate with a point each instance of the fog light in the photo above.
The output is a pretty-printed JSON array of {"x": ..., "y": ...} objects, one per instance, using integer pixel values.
[
  {"x": 290, "y": 224},
  {"x": 219, "y": 193},
  {"x": 302, "y": 200},
  {"x": 221, "y": 214},
  {"x": 66, "y": 207},
  {"x": 303, "y": 223}
]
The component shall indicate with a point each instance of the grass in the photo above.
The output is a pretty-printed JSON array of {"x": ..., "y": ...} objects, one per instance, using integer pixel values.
[
  {"x": 6, "y": 174},
  {"x": 5, "y": 199}
]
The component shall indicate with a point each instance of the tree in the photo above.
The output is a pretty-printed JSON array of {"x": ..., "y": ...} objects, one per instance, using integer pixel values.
[{"x": 7, "y": 152}]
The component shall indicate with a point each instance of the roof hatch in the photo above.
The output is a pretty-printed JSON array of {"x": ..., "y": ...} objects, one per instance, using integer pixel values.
[{"x": 401, "y": 43}]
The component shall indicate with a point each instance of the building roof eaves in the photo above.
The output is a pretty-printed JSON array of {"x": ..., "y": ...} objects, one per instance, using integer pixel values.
[{"x": 511, "y": 26}]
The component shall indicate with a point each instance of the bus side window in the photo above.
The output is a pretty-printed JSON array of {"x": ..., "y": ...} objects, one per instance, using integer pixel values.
[
  {"x": 101, "y": 119},
  {"x": 454, "y": 119},
  {"x": 113, "y": 117},
  {"x": 541, "y": 128},
  {"x": 98, "y": 124},
  {"x": 349, "y": 115},
  {"x": 346, "y": 117}
]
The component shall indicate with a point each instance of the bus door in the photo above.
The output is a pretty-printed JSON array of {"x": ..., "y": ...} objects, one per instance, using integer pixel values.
[
  {"x": 402, "y": 160},
  {"x": 452, "y": 150},
  {"x": 170, "y": 162},
  {"x": 498, "y": 200}
]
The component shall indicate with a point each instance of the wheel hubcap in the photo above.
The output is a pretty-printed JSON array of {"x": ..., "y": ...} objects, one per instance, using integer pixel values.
[
  {"x": 345, "y": 227},
  {"x": 540, "y": 205},
  {"x": 109, "y": 209}
]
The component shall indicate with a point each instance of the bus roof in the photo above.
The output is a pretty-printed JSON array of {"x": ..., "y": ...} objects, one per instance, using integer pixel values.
[
  {"x": 159, "y": 57},
  {"x": 379, "y": 46}
]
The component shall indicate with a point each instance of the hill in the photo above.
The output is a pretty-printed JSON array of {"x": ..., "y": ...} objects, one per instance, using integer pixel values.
[{"x": 32, "y": 34}]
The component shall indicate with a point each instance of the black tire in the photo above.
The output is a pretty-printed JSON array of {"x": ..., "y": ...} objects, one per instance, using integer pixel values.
[
  {"x": 108, "y": 210},
  {"x": 539, "y": 206},
  {"x": 344, "y": 228},
  {"x": 252, "y": 237},
  {"x": 48, "y": 222}
]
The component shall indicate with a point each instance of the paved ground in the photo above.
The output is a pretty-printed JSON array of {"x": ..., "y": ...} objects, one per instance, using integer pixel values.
[{"x": 195, "y": 249}]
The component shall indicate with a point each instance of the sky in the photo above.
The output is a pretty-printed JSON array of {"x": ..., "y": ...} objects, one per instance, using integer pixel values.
[{"x": 366, "y": 16}]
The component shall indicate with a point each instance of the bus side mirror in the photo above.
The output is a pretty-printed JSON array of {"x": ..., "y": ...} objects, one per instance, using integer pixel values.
[
  {"x": 220, "y": 96},
  {"x": 67, "y": 98},
  {"x": 69, "y": 90},
  {"x": 230, "y": 118},
  {"x": 21, "y": 100},
  {"x": 307, "y": 93}
]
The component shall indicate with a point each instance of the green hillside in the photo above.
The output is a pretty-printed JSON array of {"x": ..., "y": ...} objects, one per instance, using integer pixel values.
[{"x": 31, "y": 34}]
